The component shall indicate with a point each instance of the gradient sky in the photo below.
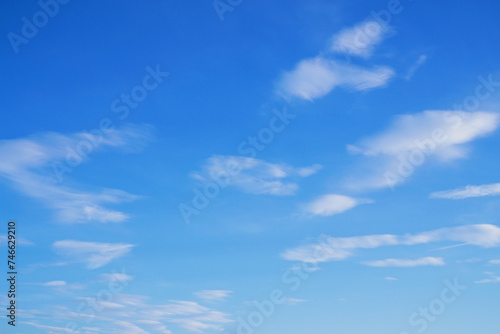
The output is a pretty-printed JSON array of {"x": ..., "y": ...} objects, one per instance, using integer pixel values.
[{"x": 304, "y": 166}]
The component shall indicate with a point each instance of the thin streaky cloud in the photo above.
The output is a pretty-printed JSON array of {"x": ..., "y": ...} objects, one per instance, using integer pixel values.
[
  {"x": 252, "y": 175},
  {"x": 492, "y": 279},
  {"x": 469, "y": 191},
  {"x": 115, "y": 277},
  {"x": 449, "y": 247},
  {"x": 293, "y": 301},
  {"x": 128, "y": 313},
  {"x": 21, "y": 241},
  {"x": 424, "y": 261},
  {"x": 213, "y": 295},
  {"x": 336, "y": 249},
  {"x": 94, "y": 254},
  {"x": 28, "y": 166},
  {"x": 411, "y": 71}
]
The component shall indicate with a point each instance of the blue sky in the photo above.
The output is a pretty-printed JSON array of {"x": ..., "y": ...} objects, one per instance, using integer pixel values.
[{"x": 252, "y": 166}]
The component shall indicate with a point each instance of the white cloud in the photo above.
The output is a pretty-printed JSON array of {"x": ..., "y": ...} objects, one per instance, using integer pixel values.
[
  {"x": 213, "y": 295},
  {"x": 308, "y": 171},
  {"x": 54, "y": 283},
  {"x": 396, "y": 152},
  {"x": 316, "y": 77},
  {"x": 389, "y": 278},
  {"x": 31, "y": 165},
  {"x": 333, "y": 204},
  {"x": 424, "y": 261},
  {"x": 494, "y": 262},
  {"x": 127, "y": 313},
  {"x": 493, "y": 279},
  {"x": 61, "y": 286},
  {"x": 360, "y": 39},
  {"x": 253, "y": 175},
  {"x": 335, "y": 249},
  {"x": 95, "y": 254},
  {"x": 469, "y": 191}
]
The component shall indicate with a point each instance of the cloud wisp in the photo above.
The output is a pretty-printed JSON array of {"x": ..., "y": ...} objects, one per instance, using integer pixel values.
[
  {"x": 411, "y": 71},
  {"x": 333, "y": 204},
  {"x": 361, "y": 39},
  {"x": 28, "y": 164},
  {"x": 213, "y": 295},
  {"x": 317, "y": 76},
  {"x": 492, "y": 279},
  {"x": 94, "y": 254},
  {"x": 469, "y": 191},
  {"x": 136, "y": 314},
  {"x": 406, "y": 263},
  {"x": 412, "y": 139},
  {"x": 253, "y": 176},
  {"x": 336, "y": 249}
]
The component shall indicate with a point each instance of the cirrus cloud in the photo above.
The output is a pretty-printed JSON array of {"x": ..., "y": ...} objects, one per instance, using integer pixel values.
[
  {"x": 336, "y": 249},
  {"x": 424, "y": 261}
]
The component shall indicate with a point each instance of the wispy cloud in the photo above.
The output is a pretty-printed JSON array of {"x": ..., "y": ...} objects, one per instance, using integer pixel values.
[
  {"x": 213, "y": 295},
  {"x": 95, "y": 254},
  {"x": 253, "y": 176},
  {"x": 411, "y": 139},
  {"x": 335, "y": 249},
  {"x": 293, "y": 301},
  {"x": 494, "y": 262},
  {"x": 469, "y": 191},
  {"x": 411, "y": 71},
  {"x": 136, "y": 314},
  {"x": 333, "y": 204},
  {"x": 61, "y": 286},
  {"x": 389, "y": 278},
  {"x": 116, "y": 277},
  {"x": 51, "y": 329},
  {"x": 424, "y": 261},
  {"x": 361, "y": 39},
  {"x": 21, "y": 241},
  {"x": 27, "y": 164},
  {"x": 316, "y": 77},
  {"x": 492, "y": 279},
  {"x": 54, "y": 283}
]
